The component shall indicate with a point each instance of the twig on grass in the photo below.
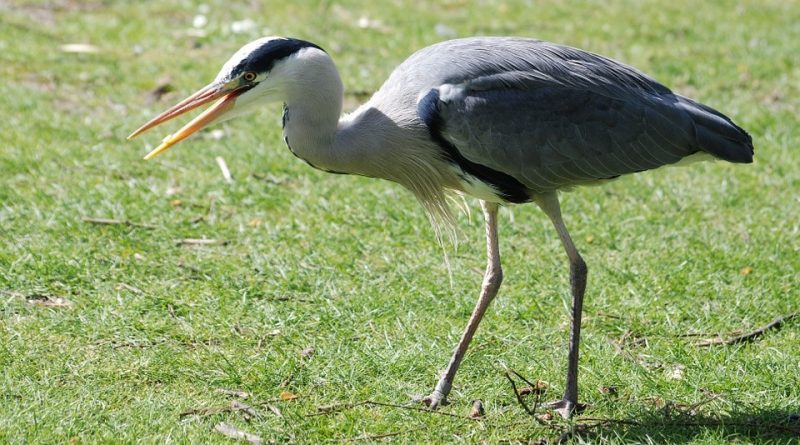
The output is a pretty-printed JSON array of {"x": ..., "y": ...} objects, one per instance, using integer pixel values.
[
  {"x": 692, "y": 408},
  {"x": 750, "y": 336},
  {"x": 132, "y": 344},
  {"x": 692, "y": 334},
  {"x": 519, "y": 397},
  {"x": 116, "y": 222},
  {"x": 537, "y": 390}
]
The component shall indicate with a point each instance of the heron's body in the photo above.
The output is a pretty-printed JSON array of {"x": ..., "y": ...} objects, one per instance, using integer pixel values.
[{"x": 507, "y": 120}]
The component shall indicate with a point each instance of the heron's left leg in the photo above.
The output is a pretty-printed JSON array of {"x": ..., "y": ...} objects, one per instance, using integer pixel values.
[
  {"x": 491, "y": 284},
  {"x": 577, "y": 279}
]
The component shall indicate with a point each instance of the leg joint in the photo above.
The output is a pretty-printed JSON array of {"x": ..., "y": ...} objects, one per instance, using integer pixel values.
[
  {"x": 493, "y": 277},
  {"x": 578, "y": 267}
]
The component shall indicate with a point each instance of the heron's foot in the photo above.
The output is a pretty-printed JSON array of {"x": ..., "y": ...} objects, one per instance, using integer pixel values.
[
  {"x": 435, "y": 400},
  {"x": 565, "y": 407},
  {"x": 439, "y": 395}
]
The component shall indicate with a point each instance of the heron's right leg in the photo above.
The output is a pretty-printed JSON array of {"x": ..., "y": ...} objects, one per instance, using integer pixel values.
[
  {"x": 577, "y": 279},
  {"x": 491, "y": 284}
]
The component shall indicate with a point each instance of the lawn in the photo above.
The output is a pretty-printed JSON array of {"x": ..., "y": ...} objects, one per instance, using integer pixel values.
[{"x": 325, "y": 304}]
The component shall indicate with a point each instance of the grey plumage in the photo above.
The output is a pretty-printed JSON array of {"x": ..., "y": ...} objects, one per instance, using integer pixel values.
[
  {"x": 508, "y": 120},
  {"x": 552, "y": 116}
]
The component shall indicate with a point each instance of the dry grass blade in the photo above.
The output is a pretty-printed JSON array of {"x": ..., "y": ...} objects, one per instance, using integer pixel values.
[
  {"x": 79, "y": 48},
  {"x": 245, "y": 409},
  {"x": 274, "y": 409},
  {"x": 200, "y": 242},
  {"x": 223, "y": 166},
  {"x": 128, "y": 287},
  {"x": 115, "y": 222},
  {"x": 235, "y": 433}
]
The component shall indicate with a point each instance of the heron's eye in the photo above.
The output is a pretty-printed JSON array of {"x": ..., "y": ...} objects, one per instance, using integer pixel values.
[{"x": 249, "y": 76}]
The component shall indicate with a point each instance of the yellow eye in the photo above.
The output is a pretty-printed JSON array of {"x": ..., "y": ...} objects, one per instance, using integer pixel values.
[{"x": 249, "y": 76}]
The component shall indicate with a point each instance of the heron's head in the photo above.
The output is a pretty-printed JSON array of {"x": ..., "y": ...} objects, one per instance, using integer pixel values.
[{"x": 259, "y": 72}]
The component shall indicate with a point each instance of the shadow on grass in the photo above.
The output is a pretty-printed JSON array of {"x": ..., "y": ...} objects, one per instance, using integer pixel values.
[{"x": 772, "y": 426}]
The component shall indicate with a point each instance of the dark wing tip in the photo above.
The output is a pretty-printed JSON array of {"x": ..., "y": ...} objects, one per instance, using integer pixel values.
[{"x": 717, "y": 134}]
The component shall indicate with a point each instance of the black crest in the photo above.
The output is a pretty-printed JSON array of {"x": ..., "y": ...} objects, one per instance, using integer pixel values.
[{"x": 264, "y": 57}]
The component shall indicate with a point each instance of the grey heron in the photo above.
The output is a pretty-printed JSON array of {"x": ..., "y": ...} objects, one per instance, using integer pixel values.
[{"x": 506, "y": 120}]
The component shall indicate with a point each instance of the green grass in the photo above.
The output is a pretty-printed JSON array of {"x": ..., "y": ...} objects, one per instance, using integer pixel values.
[{"x": 350, "y": 266}]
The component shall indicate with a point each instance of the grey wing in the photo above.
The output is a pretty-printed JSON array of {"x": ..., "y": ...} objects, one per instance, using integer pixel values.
[{"x": 548, "y": 134}]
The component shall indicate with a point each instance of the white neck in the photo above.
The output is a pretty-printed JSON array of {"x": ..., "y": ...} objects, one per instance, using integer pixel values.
[
  {"x": 367, "y": 142},
  {"x": 311, "y": 117}
]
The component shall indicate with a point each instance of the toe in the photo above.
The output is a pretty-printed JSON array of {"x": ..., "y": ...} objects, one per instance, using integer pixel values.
[{"x": 434, "y": 400}]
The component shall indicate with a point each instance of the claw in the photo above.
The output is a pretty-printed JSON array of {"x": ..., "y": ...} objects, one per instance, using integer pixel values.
[
  {"x": 565, "y": 408},
  {"x": 435, "y": 400},
  {"x": 439, "y": 394}
]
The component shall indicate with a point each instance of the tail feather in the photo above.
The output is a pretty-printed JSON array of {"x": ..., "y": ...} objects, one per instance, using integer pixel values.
[{"x": 717, "y": 134}]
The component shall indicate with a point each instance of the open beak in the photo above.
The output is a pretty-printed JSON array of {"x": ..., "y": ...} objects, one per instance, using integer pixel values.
[{"x": 226, "y": 96}]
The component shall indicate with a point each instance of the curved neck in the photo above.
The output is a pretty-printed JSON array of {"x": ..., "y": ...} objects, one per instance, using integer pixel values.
[
  {"x": 309, "y": 131},
  {"x": 312, "y": 127},
  {"x": 367, "y": 142}
]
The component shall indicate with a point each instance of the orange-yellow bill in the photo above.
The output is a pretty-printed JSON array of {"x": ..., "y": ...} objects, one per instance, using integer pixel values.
[{"x": 205, "y": 95}]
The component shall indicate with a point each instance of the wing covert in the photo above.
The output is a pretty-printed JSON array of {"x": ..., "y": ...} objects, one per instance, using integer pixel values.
[{"x": 549, "y": 133}]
